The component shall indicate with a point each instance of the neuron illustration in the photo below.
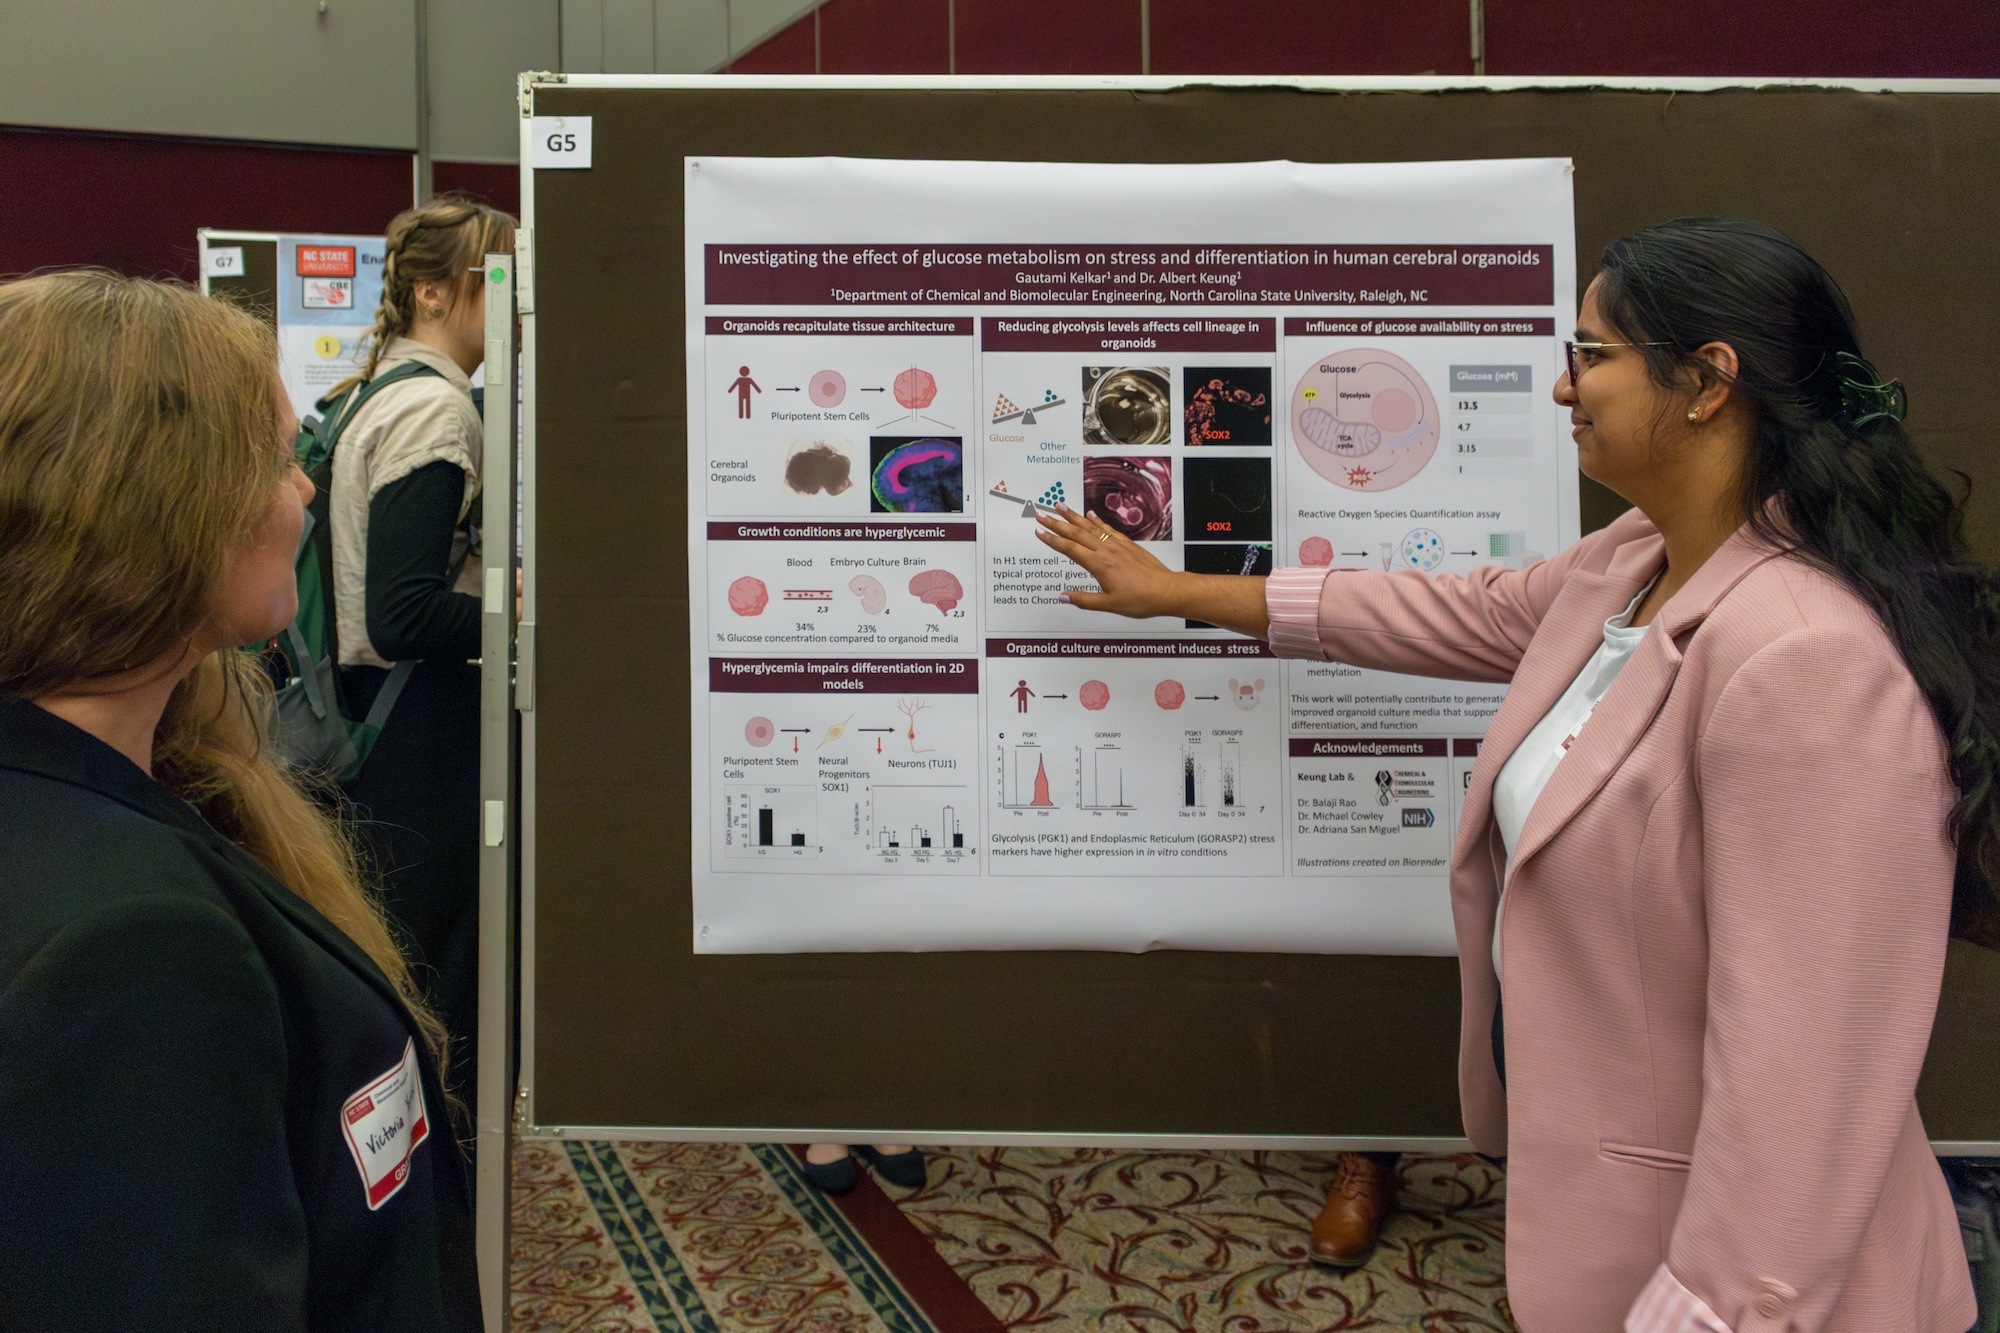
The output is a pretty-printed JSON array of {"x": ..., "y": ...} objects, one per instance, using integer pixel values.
[{"x": 909, "y": 708}]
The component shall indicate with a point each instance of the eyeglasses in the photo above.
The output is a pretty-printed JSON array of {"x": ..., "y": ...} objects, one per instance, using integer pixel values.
[{"x": 1569, "y": 353}]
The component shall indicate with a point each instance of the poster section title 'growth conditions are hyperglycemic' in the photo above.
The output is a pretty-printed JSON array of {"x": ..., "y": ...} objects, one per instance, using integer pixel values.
[{"x": 902, "y": 738}]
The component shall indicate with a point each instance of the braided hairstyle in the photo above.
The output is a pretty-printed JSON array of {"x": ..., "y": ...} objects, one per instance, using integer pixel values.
[
  {"x": 1832, "y": 477},
  {"x": 442, "y": 242}
]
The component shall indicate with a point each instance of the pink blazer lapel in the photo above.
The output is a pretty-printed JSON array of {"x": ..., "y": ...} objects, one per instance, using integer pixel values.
[
  {"x": 1634, "y": 698},
  {"x": 1572, "y": 630}
]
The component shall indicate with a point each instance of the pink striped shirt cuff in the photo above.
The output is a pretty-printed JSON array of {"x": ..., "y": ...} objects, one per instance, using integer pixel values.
[
  {"x": 1291, "y": 597},
  {"x": 1665, "y": 1306}
]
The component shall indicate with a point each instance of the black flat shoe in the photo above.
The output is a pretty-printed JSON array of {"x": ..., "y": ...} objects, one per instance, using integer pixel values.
[
  {"x": 832, "y": 1177},
  {"x": 905, "y": 1168}
]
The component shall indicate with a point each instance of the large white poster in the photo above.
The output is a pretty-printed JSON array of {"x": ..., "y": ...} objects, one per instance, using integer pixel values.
[{"x": 902, "y": 739}]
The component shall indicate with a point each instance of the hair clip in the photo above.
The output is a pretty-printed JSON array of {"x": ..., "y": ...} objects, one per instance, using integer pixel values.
[{"x": 1864, "y": 395}]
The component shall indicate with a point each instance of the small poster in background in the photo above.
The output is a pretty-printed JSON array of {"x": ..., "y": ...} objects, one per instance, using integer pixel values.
[{"x": 328, "y": 291}]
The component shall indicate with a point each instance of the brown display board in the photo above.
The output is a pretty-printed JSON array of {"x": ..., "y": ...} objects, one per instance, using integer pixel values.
[{"x": 1895, "y": 193}]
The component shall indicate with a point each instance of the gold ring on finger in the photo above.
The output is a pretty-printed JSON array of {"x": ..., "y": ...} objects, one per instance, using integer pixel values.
[{"x": 1104, "y": 536}]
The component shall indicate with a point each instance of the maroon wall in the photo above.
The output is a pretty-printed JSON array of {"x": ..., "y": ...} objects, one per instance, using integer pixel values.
[
  {"x": 133, "y": 202},
  {"x": 1807, "y": 38}
]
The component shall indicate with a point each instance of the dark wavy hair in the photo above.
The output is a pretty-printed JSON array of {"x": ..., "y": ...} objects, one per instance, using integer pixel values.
[{"x": 1832, "y": 476}]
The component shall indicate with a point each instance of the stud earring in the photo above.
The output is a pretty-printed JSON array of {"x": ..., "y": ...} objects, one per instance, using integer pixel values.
[{"x": 1694, "y": 415}]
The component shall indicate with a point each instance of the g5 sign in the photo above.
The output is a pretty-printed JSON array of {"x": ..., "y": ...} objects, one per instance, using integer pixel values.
[{"x": 558, "y": 143}]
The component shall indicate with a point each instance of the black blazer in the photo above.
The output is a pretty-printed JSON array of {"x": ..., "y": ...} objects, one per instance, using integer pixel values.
[{"x": 184, "y": 1049}]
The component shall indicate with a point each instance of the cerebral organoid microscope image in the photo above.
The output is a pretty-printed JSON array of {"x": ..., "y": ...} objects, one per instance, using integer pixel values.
[
  {"x": 817, "y": 468},
  {"x": 1127, "y": 405},
  {"x": 1134, "y": 495},
  {"x": 916, "y": 474},
  {"x": 1226, "y": 405}
]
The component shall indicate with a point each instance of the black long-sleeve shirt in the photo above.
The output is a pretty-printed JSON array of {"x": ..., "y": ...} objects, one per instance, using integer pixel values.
[{"x": 412, "y": 610}]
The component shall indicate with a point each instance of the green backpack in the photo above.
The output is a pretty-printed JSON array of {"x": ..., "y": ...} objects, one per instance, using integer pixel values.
[{"x": 315, "y": 729}]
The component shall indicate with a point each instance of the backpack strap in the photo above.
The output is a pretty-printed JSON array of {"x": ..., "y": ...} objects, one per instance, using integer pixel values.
[
  {"x": 341, "y": 410},
  {"x": 385, "y": 698}
]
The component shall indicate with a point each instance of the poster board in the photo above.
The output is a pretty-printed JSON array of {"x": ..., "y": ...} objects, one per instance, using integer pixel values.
[
  {"x": 909, "y": 740},
  {"x": 319, "y": 292},
  {"x": 625, "y": 1030}
]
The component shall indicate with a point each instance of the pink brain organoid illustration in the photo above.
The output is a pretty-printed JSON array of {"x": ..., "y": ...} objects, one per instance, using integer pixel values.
[
  {"x": 1316, "y": 551},
  {"x": 1094, "y": 695},
  {"x": 748, "y": 596},
  {"x": 915, "y": 388},
  {"x": 938, "y": 588},
  {"x": 1169, "y": 694}
]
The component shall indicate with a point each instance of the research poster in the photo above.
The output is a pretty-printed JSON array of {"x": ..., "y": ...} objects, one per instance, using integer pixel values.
[
  {"x": 328, "y": 290},
  {"x": 902, "y": 739}
]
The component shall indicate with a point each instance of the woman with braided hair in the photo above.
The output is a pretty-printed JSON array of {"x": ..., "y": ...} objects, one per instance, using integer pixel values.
[
  {"x": 404, "y": 510},
  {"x": 1744, "y": 784}
]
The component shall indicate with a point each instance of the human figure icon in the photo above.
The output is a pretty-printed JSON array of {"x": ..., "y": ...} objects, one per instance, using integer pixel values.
[
  {"x": 1022, "y": 694},
  {"x": 743, "y": 386}
]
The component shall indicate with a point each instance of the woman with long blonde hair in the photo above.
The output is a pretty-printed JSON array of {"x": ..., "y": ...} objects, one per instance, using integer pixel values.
[{"x": 220, "y": 1096}]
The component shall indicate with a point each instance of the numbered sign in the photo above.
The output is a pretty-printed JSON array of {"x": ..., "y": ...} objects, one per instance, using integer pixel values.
[
  {"x": 559, "y": 143},
  {"x": 224, "y": 261}
]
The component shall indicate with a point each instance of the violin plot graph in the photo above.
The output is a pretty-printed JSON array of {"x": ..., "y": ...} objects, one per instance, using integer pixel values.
[{"x": 1364, "y": 419}]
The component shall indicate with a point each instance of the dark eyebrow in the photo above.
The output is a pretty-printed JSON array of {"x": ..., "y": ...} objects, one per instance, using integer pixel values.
[{"x": 1583, "y": 335}]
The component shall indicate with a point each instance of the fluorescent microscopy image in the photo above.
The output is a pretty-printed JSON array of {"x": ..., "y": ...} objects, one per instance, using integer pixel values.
[
  {"x": 1226, "y": 405},
  {"x": 1226, "y": 558},
  {"x": 916, "y": 474},
  {"x": 1227, "y": 499},
  {"x": 1134, "y": 495},
  {"x": 1127, "y": 405}
]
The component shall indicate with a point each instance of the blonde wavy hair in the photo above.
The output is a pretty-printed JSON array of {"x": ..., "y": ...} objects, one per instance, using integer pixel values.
[
  {"x": 140, "y": 442},
  {"x": 445, "y": 241}
]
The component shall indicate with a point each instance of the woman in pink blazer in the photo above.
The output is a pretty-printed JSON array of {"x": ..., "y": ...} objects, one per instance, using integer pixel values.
[{"x": 1742, "y": 787}]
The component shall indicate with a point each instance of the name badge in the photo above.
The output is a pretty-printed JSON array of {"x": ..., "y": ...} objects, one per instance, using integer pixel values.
[{"x": 384, "y": 1122}]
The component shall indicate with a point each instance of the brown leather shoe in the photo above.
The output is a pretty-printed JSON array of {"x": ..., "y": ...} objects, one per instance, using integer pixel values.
[{"x": 1358, "y": 1202}]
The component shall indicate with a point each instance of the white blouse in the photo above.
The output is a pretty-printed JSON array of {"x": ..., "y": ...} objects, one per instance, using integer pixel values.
[{"x": 1528, "y": 770}]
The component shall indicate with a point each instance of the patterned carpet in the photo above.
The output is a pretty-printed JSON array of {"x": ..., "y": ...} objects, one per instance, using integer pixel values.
[{"x": 728, "y": 1238}]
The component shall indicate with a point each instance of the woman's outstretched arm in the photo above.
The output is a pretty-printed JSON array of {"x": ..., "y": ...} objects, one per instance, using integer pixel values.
[
  {"x": 1132, "y": 582},
  {"x": 1474, "y": 626}
]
